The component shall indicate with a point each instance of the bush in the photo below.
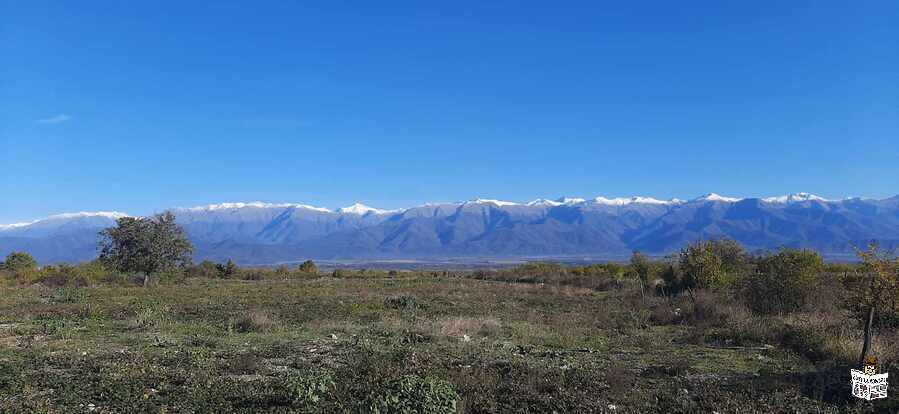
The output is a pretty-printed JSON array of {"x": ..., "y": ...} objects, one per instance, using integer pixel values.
[
  {"x": 413, "y": 394},
  {"x": 19, "y": 262},
  {"x": 227, "y": 270},
  {"x": 206, "y": 269},
  {"x": 401, "y": 303},
  {"x": 782, "y": 282},
  {"x": 308, "y": 267},
  {"x": 311, "y": 391}
]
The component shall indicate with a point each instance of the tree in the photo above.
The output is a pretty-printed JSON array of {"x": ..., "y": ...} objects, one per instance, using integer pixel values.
[
  {"x": 641, "y": 269},
  {"x": 18, "y": 262},
  {"x": 874, "y": 290},
  {"x": 147, "y": 245}
]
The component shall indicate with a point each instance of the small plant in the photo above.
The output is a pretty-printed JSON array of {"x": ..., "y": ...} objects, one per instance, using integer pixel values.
[
  {"x": 413, "y": 394},
  {"x": 310, "y": 391},
  {"x": 150, "y": 315},
  {"x": 69, "y": 295},
  {"x": 403, "y": 303}
]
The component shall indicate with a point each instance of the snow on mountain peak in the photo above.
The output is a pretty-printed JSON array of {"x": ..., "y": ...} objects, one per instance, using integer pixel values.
[
  {"x": 544, "y": 202},
  {"x": 621, "y": 201},
  {"x": 115, "y": 215},
  {"x": 362, "y": 209},
  {"x": 570, "y": 200},
  {"x": 254, "y": 204},
  {"x": 557, "y": 202},
  {"x": 494, "y": 202},
  {"x": 719, "y": 198},
  {"x": 16, "y": 225},
  {"x": 795, "y": 198}
]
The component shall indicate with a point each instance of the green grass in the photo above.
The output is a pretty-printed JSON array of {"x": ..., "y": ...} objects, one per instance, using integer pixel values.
[{"x": 408, "y": 344}]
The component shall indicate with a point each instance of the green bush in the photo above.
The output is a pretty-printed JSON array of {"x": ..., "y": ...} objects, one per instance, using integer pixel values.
[
  {"x": 311, "y": 392},
  {"x": 413, "y": 394},
  {"x": 19, "y": 262},
  {"x": 782, "y": 282}
]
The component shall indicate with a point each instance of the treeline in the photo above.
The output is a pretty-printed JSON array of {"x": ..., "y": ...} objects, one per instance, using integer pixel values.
[{"x": 20, "y": 268}]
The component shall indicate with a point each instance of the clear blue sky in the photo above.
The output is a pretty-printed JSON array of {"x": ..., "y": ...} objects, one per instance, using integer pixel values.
[{"x": 138, "y": 106}]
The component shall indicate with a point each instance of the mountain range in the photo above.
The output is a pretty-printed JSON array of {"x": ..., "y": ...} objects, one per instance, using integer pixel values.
[{"x": 264, "y": 233}]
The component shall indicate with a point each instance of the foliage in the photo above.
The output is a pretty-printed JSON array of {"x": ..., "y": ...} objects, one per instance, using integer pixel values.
[
  {"x": 875, "y": 284},
  {"x": 782, "y": 282},
  {"x": 705, "y": 265},
  {"x": 404, "y": 303},
  {"x": 19, "y": 262},
  {"x": 206, "y": 269},
  {"x": 308, "y": 267},
  {"x": 227, "y": 270},
  {"x": 311, "y": 391},
  {"x": 69, "y": 295},
  {"x": 146, "y": 245},
  {"x": 413, "y": 394}
]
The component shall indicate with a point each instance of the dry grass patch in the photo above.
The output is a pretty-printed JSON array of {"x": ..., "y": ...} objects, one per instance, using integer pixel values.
[
  {"x": 255, "y": 321},
  {"x": 457, "y": 327}
]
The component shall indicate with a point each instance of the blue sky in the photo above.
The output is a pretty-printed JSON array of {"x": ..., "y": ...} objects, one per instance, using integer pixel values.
[{"x": 139, "y": 106}]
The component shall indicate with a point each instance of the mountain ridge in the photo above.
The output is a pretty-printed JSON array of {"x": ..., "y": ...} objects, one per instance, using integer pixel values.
[{"x": 258, "y": 232}]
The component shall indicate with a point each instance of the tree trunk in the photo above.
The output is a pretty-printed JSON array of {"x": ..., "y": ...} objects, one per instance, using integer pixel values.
[
  {"x": 866, "y": 348},
  {"x": 642, "y": 293}
]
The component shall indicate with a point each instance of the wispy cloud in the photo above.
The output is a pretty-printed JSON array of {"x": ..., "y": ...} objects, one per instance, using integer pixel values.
[{"x": 58, "y": 119}]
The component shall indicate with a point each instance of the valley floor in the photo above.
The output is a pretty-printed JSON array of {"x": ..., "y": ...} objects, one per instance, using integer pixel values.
[{"x": 415, "y": 342}]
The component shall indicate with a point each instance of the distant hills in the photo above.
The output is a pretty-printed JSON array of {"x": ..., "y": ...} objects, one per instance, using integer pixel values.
[{"x": 262, "y": 233}]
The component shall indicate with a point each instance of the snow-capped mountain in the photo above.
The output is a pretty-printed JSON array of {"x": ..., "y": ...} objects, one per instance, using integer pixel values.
[{"x": 257, "y": 232}]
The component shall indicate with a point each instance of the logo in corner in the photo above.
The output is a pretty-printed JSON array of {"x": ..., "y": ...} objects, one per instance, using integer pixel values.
[{"x": 868, "y": 384}]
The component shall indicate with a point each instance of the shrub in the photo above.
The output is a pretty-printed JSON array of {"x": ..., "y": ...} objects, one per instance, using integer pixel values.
[
  {"x": 405, "y": 303},
  {"x": 782, "y": 282},
  {"x": 206, "y": 269},
  {"x": 413, "y": 394},
  {"x": 308, "y": 267},
  {"x": 311, "y": 391},
  {"x": 19, "y": 262},
  {"x": 227, "y": 270}
]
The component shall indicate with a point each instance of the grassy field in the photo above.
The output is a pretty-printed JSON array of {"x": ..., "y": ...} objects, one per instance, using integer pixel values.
[{"x": 410, "y": 343}]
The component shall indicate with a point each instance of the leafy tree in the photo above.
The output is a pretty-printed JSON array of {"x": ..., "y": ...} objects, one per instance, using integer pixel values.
[
  {"x": 19, "y": 262},
  {"x": 875, "y": 289},
  {"x": 308, "y": 267},
  {"x": 734, "y": 259},
  {"x": 701, "y": 267},
  {"x": 783, "y": 281},
  {"x": 147, "y": 245}
]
